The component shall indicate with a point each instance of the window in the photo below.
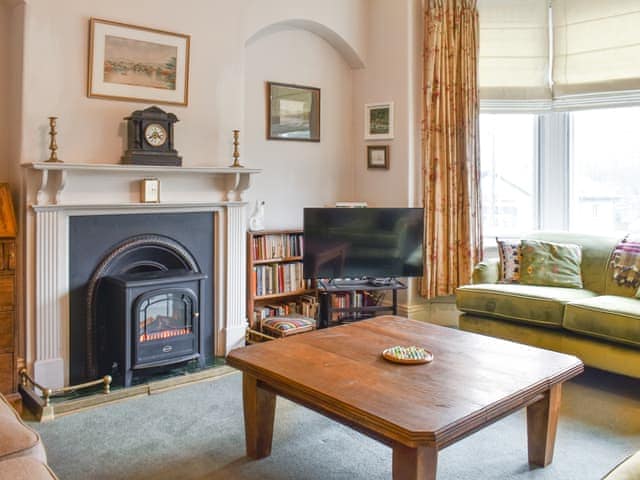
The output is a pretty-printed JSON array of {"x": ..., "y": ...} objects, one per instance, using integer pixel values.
[
  {"x": 605, "y": 162},
  {"x": 508, "y": 168}
]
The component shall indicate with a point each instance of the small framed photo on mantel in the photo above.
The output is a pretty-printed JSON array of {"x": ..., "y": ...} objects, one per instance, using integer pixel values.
[
  {"x": 378, "y": 157},
  {"x": 150, "y": 190}
]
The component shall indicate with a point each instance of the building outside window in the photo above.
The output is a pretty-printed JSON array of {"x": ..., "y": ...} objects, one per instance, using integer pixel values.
[
  {"x": 508, "y": 155},
  {"x": 600, "y": 165},
  {"x": 605, "y": 164}
]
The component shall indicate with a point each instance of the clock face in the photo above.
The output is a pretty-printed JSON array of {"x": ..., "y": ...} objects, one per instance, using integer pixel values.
[{"x": 155, "y": 135}]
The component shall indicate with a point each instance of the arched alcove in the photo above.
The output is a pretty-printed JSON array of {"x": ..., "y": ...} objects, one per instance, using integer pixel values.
[
  {"x": 299, "y": 174},
  {"x": 329, "y": 35}
]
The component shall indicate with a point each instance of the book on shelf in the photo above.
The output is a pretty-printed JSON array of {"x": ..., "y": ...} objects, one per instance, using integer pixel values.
[
  {"x": 277, "y": 246},
  {"x": 305, "y": 305},
  {"x": 355, "y": 299},
  {"x": 275, "y": 278}
]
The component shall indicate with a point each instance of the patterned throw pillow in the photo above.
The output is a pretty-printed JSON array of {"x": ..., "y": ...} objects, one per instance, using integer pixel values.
[
  {"x": 625, "y": 263},
  {"x": 509, "y": 253},
  {"x": 550, "y": 264}
]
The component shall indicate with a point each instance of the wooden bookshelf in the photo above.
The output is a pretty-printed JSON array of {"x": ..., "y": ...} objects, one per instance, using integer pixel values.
[{"x": 274, "y": 272}]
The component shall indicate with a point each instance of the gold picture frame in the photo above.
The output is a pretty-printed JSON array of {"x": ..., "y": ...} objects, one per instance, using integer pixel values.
[
  {"x": 293, "y": 112},
  {"x": 378, "y": 157},
  {"x": 139, "y": 64}
]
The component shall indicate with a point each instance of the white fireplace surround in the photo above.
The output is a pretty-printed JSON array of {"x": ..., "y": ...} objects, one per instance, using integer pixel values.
[{"x": 54, "y": 192}]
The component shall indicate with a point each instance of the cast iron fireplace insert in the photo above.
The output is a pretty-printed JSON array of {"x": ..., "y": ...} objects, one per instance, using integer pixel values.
[{"x": 150, "y": 319}]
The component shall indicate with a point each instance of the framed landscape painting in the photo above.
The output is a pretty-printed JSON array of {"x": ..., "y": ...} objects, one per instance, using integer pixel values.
[
  {"x": 378, "y": 121},
  {"x": 293, "y": 112},
  {"x": 137, "y": 63}
]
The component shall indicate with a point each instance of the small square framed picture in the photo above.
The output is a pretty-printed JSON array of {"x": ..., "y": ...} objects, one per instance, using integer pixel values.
[
  {"x": 378, "y": 156},
  {"x": 150, "y": 190},
  {"x": 378, "y": 121}
]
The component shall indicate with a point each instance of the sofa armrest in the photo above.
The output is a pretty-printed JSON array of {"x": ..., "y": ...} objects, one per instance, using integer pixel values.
[
  {"x": 627, "y": 470},
  {"x": 486, "y": 271}
]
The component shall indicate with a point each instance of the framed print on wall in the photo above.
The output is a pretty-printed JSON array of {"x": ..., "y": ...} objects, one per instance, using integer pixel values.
[
  {"x": 137, "y": 64},
  {"x": 378, "y": 121},
  {"x": 293, "y": 112},
  {"x": 378, "y": 156}
]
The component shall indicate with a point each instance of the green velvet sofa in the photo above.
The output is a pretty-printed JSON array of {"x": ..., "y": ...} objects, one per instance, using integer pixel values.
[{"x": 599, "y": 323}]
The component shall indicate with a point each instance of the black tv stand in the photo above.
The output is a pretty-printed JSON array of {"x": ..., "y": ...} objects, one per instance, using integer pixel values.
[{"x": 330, "y": 288}]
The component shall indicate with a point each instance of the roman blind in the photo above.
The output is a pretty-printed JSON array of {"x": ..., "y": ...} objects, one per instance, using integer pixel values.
[
  {"x": 514, "y": 49},
  {"x": 596, "y": 46}
]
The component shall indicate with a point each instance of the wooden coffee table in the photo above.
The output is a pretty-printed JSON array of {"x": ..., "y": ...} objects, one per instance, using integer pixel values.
[{"x": 415, "y": 409}]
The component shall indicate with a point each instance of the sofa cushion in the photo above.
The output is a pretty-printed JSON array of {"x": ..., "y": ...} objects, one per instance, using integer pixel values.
[
  {"x": 16, "y": 439},
  {"x": 25, "y": 468},
  {"x": 550, "y": 264},
  {"x": 521, "y": 303},
  {"x": 285, "y": 326},
  {"x": 609, "y": 317},
  {"x": 596, "y": 253},
  {"x": 627, "y": 470},
  {"x": 509, "y": 255}
]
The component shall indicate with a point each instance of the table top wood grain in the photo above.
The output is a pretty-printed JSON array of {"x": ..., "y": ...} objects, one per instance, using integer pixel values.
[{"x": 472, "y": 381}]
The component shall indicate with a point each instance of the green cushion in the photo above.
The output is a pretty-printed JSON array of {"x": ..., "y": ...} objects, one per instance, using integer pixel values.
[
  {"x": 550, "y": 264},
  {"x": 531, "y": 304},
  {"x": 596, "y": 253},
  {"x": 609, "y": 317}
]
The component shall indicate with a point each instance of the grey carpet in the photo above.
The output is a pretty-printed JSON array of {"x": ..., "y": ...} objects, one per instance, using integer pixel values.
[{"x": 196, "y": 432}]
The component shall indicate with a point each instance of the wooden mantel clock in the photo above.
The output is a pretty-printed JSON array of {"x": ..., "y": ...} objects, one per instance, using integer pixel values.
[{"x": 150, "y": 138}]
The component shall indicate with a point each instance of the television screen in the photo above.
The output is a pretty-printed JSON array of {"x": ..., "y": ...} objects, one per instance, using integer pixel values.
[{"x": 363, "y": 242}]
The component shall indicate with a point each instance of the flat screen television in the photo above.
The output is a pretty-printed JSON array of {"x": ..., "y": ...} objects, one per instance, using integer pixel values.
[{"x": 363, "y": 243}]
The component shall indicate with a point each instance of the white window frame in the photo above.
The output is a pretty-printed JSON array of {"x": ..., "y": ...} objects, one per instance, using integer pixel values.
[{"x": 489, "y": 241}]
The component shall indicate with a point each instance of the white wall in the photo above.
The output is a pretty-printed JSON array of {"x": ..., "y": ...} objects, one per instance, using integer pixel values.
[
  {"x": 49, "y": 52},
  {"x": 298, "y": 174},
  {"x": 4, "y": 93},
  {"x": 346, "y": 19},
  {"x": 390, "y": 75},
  {"x": 15, "y": 17},
  {"x": 91, "y": 130}
]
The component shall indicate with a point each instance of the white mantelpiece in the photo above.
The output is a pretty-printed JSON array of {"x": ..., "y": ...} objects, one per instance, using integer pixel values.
[
  {"x": 57, "y": 191},
  {"x": 56, "y": 180}
]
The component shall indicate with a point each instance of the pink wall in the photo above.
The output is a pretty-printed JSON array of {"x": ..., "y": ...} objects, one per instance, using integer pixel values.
[
  {"x": 390, "y": 75},
  {"x": 298, "y": 174},
  {"x": 91, "y": 130},
  {"x": 4, "y": 93}
]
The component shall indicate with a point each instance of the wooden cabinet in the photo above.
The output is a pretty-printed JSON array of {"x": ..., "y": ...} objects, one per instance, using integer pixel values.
[{"x": 8, "y": 330}]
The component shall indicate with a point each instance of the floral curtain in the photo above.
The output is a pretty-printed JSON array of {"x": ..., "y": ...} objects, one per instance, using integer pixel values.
[{"x": 450, "y": 146}]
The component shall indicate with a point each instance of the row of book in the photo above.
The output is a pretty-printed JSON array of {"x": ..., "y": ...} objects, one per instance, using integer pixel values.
[
  {"x": 356, "y": 299},
  {"x": 276, "y": 278},
  {"x": 276, "y": 246},
  {"x": 305, "y": 305}
]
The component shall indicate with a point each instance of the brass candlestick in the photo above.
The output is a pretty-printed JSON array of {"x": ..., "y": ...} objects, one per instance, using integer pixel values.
[
  {"x": 236, "y": 153},
  {"x": 53, "y": 146}
]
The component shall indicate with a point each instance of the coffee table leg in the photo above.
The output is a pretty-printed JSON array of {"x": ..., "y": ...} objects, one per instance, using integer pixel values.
[
  {"x": 414, "y": 463},
  {"x": 542, "y": 423},
  {"x": 259, "y": 413}
]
